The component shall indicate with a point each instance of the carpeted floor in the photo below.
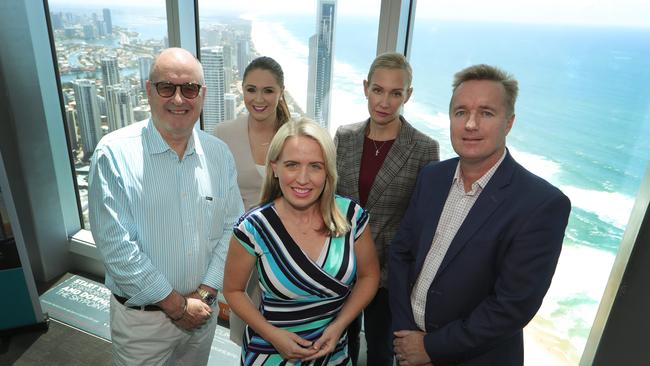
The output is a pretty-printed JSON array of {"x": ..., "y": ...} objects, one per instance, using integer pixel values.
[{"x": 59, "y": 345}]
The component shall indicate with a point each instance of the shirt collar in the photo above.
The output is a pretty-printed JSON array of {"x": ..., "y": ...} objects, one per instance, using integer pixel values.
[
  {"x": 158, "y": 145},
  {"x": 194, "y": 144},
  {"x": 484, "y": 180}
]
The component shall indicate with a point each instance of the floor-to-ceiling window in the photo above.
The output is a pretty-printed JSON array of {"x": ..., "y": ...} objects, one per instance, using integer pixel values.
[
  {"x": 318, "y": 43},
  {"x": 104, "y": 51},
  {"x": 581, "y": 120},
  {"x": 356, "y": 47}
]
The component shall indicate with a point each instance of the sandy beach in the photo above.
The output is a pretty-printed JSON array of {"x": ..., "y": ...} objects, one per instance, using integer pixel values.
[{"x": 542, "y": 348}]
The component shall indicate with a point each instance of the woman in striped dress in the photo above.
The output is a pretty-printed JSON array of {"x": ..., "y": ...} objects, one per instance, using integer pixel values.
[{"x": 312, "y": 250}]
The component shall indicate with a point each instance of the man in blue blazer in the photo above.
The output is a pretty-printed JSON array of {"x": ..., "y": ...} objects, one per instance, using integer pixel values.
[{"x": 479, "y": 243}]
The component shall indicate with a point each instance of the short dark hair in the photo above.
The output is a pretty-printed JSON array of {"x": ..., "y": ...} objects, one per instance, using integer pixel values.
[{"x": 492, "y": 73}]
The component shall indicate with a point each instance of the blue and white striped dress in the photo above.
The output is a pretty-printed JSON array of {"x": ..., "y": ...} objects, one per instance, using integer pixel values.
[{"x": 299, "y": 295}]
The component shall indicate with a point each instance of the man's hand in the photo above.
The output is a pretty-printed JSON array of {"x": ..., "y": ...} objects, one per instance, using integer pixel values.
[
  {"x": 409, "y": 348},
  {"x": 196, "y": 315}
]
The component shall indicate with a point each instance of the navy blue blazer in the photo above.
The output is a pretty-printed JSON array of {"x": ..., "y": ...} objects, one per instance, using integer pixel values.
[{"x": 496, "y": 272}]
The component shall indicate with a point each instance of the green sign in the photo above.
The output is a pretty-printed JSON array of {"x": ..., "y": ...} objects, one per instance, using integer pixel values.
[{"x": 81, "y": 303}]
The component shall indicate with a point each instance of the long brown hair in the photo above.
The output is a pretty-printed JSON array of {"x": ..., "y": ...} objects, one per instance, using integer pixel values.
[{"x": 272, "y": 66}]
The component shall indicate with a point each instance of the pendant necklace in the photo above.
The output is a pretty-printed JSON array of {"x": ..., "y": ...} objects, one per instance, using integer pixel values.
[{"x": 377, "y": 148}]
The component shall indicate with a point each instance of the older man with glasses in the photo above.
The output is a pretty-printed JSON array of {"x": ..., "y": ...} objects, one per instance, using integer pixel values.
[{"x": 163, "y": 198}]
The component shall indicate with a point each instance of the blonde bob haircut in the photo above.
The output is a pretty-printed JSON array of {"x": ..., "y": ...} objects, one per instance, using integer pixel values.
[
  {"x": 334, "y": 221},
  {"x": 393, "y": 61}
]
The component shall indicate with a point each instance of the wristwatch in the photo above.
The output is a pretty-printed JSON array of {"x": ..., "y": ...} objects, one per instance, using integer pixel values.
[{"x": 206, "y": 296}]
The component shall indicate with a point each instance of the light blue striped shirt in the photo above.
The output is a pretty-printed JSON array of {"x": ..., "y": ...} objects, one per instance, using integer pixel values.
[{"x": 161, "y": 223}]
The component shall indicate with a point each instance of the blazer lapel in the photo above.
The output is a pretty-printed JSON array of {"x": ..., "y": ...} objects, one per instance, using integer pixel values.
[
  {"x": 489, "y": 200},
  {"x": 397, "y": 157},
  {"x": 435, "y": 202},
  {"x": 353, "y": 159}
]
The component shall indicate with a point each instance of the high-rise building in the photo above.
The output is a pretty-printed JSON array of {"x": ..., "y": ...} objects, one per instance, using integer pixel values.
[
  {"x": 133, "y": 94},
  {"x": 212, "y": 37},
  {"x": 141, "y": 112},
  {"x": 119, "y": 106},
  {"x": 107, "y": 21},
  {"x": 227, "y": 56},
  {"x": 213, "y": 105},
  {"x": 110, "y": 72},
  {"x": 228, "y": 79},
  {"x": 88, "y": 118},
  {"x": 228, "y": 66},
  {"x": 101, "y": 102},
  {"x": 230, "y": 103},
  {"x": 71, "y": 119},
  {"x": 101, "y": 28},
  {"x": 311, "y": 75},
  {"x": 243, "y": 56},
  {"x": 57, "y": 20},
  {"x": 69, "y": 32},
  {"x": 321, "y": 57},
  {"x": 125, "y": 107},
  {"x": 89, "y": 32},
  {"x": 71, "y": 18},
  {"x": 110, "y": 96},
  {"x": 144, "y": 66}
]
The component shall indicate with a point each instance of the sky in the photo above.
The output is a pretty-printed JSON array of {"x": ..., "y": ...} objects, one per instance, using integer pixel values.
[
  {"x": 258, "y": 7},
  {"x": 632, "y": 13}
]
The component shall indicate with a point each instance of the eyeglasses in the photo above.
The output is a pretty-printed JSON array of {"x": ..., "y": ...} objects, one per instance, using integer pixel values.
[{"x": 189, "y": 90}]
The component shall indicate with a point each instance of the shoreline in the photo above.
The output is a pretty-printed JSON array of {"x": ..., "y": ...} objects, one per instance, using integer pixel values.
[{"x": 542, "y": 347}]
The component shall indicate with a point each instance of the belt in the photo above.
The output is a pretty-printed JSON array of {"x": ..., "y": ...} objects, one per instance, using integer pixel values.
[{"x": 122, "y": 300}]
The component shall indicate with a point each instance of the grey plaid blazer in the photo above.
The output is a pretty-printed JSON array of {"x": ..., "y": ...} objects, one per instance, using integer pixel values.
[{"x": 391, "y": 191}]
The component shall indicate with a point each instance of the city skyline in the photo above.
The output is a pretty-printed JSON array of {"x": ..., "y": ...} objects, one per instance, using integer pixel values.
[{"x": 104, "y": 67}]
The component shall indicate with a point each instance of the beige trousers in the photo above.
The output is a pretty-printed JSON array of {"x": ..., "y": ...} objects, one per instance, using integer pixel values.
[{"x": 150, "y": 338}]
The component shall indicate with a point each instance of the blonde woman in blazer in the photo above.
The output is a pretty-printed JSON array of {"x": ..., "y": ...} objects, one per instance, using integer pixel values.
[{"x": 378, "y": 161}]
